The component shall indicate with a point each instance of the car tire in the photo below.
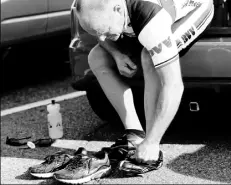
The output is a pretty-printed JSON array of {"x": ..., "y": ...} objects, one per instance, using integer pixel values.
[{"x": 103, "y": 108}]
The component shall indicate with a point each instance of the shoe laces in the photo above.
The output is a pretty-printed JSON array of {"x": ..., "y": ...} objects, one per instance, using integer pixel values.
[
  {"x": 77, "y": 161},
  {"x": 58, "y": 157}
]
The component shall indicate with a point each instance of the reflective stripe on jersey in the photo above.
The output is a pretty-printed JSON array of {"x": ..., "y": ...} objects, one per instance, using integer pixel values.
[
  {"x": 152, "y": 24},
  {"x": 153, "y": 21},
  {"x": 158, "y": 39}
]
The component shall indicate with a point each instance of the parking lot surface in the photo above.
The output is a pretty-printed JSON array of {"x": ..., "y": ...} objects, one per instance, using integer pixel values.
[{"x": 186, "y": 160}]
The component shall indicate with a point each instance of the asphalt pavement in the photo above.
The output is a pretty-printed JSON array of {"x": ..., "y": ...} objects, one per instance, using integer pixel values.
[
  {"x": 190, "y": 156},
  {"x": 186, "y": 160}
]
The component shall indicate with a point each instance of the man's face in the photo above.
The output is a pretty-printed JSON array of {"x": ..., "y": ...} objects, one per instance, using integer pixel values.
[{"x": 110, "y": 27}]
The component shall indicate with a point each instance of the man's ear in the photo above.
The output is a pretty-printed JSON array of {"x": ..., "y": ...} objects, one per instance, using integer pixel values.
[{"x": 118, "y": 8}]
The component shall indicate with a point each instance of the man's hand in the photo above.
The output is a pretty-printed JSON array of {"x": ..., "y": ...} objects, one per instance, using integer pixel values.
[
  {"x": 146, "y": 152},
  {"x": 125, "y": 66}
]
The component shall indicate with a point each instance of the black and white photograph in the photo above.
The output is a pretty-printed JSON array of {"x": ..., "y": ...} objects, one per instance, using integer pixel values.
[{"x": 115, "y": 92}]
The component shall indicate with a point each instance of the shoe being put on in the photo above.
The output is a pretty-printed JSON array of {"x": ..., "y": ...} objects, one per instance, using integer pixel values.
[
  {"x": 132, "y": 168},
  {"x": 124, "y": 146},
  {"x": 84, "y": 168},
  {"x": 52, "y": 164}
]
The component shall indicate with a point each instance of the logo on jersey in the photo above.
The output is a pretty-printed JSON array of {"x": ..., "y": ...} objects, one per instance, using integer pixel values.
[
  {"x": 192, "y": 3},
  {"x": 188, "y": 35},
  {"x": 158, "y": 49}
]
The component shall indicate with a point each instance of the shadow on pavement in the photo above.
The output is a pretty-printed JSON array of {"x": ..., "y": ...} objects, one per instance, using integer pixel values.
[
  {"x": 212, "y": 162},
  {"x": 27, "y": 176}
]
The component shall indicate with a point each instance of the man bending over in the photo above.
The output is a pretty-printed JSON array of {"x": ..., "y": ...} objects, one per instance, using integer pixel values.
[{"x": 146, "y": 36}]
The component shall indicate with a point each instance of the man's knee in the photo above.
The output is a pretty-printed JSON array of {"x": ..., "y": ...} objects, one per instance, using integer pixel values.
[
  {"x": 99, "y": 57},
  {"x": 146, "y": 60}
]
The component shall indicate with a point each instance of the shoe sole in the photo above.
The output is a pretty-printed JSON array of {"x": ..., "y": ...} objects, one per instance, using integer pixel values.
[
  {"x": 97, "y": 175},
  {"x": 42, "y": 175},
  {"x": 129, "y": 171}
]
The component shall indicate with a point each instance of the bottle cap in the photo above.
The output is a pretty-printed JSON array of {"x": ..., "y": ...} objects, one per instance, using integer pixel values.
[
  {"x": 30, "y": 144},
  {"x": 52, "y": 101}
]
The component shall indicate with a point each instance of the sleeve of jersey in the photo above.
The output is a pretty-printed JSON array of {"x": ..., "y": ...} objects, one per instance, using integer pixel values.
[{"x": 157, "y": 38}]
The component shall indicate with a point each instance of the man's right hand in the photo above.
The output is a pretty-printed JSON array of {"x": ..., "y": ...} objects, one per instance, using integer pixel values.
[{"x": 125, "y": 66}]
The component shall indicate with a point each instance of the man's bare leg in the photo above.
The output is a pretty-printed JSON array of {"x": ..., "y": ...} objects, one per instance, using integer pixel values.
[
  {"x": 118, "y": 93},
  {"x": 153, "y": 101},
  {"x": 151, "y": 93}
]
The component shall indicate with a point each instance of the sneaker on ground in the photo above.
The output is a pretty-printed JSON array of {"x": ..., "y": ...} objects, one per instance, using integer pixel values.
[
  {"x": 132, "y": 168},
  {"x": 124, "y": 146},
  {"x": 52, "y": 164},
  {"x": 84, "y": 168}
]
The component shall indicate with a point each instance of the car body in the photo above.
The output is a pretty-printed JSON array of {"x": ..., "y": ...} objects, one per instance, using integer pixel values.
[
  {"x": 22, "y": 20},
  {"x": 207, "y": 63}
]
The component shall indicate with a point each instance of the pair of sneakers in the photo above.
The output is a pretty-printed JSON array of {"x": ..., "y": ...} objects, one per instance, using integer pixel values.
[
  {"x": 84, "y": 166},
  {"x": 81, "y": 167}
]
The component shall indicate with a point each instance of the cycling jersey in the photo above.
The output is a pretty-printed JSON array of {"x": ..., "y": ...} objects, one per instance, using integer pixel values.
[{"x": 151, "y": 22}]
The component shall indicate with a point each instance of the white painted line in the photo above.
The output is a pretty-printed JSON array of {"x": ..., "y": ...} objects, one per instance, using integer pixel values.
[
  {"x": 42, "y": 103},
  {"x": 69, "y": 144},
  {"x": 75, "y": 144}
]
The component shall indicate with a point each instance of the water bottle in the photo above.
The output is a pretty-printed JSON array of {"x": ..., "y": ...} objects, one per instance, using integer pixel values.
[{"x": 54, "y": 118}]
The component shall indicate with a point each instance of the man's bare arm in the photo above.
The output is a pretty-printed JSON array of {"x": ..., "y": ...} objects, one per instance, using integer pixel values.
[{"x": 124, "y": 64}]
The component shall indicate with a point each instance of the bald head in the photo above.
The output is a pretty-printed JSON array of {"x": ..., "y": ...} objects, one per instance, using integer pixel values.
[
  {"x": 100, "y": 17},
  {"x": 93, "y": 5}
]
